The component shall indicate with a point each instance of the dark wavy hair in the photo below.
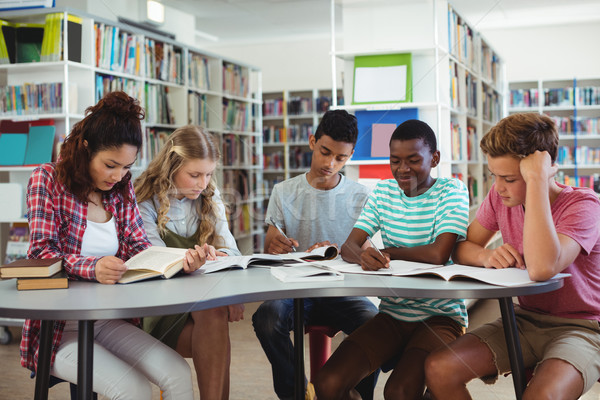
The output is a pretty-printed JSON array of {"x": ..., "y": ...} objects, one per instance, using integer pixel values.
[
  {"x": 111, "y": 123},
  {"x": 338, "y": 125}
]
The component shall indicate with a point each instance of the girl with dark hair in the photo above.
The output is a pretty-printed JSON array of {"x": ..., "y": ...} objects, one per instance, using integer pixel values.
[
  {"x": 181, "y": 207},
  {"x": 82, "y": 209}
]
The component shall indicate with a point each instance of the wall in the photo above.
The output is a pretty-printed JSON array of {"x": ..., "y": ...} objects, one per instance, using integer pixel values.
[
  {"x": 548, "y": 52},
  {"x": 286, "y": 65}
]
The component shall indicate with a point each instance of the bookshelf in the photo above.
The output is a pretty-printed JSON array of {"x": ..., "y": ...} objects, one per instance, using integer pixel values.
[
  {"x": 175, "y": 83},
  {"x": 574, "y": 104},
  {"x": 289, "y": 118},
  {"x": 457, "y": 85}
]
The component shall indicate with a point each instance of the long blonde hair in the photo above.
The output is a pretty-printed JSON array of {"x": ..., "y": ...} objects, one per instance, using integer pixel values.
[{"x": 187, "y": 143}]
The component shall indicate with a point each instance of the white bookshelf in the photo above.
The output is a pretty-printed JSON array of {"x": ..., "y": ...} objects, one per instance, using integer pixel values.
[
  {"x": 574, "y": 104},
  {"x": 191, "y": 99},
  {"x": 455, "y": 83}
]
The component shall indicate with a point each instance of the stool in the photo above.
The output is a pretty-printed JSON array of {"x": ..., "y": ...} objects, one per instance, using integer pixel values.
[{"x": 319, "y": 339}]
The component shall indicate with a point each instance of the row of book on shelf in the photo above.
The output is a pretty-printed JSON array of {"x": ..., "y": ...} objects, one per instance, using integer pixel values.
[
  {"x": 36, "y": 98},
  {"x": 298, "y": 105},
  {"x": 295, "y": 133},
  {"x": 300, "y": 158},
  {"x": 577, "y": 125},
  {"x": 31, "y": 42},
  {"x": 563, "y": 97},
  {"x": 28, "y": 142},
  {"x": 588, "y": 181},
  {"x": 568, "y": 155},
  {"x": 474, "y": 185},
  {"x": 238, "y": 150},
  {"x": 457, "y": 81},
  {"x": 463, "y": 145}
]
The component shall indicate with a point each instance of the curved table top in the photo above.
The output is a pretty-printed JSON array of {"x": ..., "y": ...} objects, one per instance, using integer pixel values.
[{"x": 91, "y": 300}]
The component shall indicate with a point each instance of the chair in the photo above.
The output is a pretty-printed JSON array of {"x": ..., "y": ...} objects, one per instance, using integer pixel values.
[{"x": 319, "y": 339}]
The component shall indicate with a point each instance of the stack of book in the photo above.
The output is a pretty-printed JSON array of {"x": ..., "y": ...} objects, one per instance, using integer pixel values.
[{"x": 46, "y": 273}]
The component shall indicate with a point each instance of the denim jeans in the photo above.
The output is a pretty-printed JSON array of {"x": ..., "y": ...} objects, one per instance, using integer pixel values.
[{"x": 274, "y": 320}]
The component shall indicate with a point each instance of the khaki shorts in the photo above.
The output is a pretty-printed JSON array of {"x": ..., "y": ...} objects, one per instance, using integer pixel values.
[
  {"x": 384, "y": 337},
  {"x": 576, "y": 341}
]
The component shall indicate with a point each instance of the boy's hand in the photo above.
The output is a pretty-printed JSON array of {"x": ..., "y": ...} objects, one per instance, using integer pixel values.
[
  {"x": 371, "y": 260},
  {"x": 538, "y": 165},
  {"x": 321, "y": 244},
  {"x": 281, "y": 245},
  {"x": 110, "y": 269},
  {"x": 505, "y": 256}
]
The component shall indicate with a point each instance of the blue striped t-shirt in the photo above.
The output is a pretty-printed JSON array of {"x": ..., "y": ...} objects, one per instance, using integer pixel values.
[{"x": 416, "y": 221}]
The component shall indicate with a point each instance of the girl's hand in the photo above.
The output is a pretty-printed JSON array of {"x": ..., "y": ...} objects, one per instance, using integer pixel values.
[
  {"x": 194, "y": 259},
  {"x": 210, "y": 251},
  {"x": 372, "y": 260},
  {"x": 236, "y": 312},
  {"x": 109, "y": 269},
  {"x": 221, "y": 254},
  {"x": 505, "y": 256}
]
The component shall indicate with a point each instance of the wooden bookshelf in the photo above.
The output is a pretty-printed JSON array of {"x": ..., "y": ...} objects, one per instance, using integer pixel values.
[
  {"x": 574, "y": 104},
  {"x": 175, "y": 83},
  {"x": 457, "y": 84}
]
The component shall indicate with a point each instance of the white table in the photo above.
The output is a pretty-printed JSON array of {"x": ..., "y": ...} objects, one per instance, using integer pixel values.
[{"x": 89, "y": 301}]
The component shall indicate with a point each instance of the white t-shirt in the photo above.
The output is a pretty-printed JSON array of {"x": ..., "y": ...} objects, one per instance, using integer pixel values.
[{"x": 100, "y": 239}]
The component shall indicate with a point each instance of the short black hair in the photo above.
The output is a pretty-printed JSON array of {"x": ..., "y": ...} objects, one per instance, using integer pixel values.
[
  {"x": 339, "y": 125},
  {"x": 415, "y": 129}
]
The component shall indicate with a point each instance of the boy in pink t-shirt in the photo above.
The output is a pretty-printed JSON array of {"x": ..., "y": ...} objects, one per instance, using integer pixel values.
[{"x": 547, "y": 228}]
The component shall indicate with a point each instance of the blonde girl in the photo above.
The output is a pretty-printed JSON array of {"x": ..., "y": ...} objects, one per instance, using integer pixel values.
[{"x": 181, "y": 207}]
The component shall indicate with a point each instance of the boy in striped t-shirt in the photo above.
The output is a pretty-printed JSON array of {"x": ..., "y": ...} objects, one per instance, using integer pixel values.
[{"x": 420, "y": 219}]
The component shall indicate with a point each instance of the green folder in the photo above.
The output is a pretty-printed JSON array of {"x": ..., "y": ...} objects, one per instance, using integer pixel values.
[
  {"x": 384, "y": 78},
  {"x": 12, "y": 148},
  {"x": 39, "y": 144}
]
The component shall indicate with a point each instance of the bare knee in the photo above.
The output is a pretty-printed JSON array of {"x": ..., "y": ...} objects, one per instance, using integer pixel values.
[
  {"x": 398, "y": 392},
  {"x": 212, "y": 315},
  {"x": 328, "y": 385},
  {"x": 439, "y": 370}
]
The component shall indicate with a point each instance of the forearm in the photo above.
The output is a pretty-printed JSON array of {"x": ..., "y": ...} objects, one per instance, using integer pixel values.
[
  {"x": 469, "y": 253},
  {"x": 351, "y": 252},
  {"x": 541, "y": 246},
  {"x": 429, "y": 253}
]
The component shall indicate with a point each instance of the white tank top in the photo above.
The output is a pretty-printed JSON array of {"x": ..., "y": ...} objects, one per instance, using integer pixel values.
[{"x": 100, "y": 239}]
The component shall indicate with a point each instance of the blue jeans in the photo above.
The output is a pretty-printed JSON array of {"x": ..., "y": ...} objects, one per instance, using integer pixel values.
[{"x": 274, "y": 320}]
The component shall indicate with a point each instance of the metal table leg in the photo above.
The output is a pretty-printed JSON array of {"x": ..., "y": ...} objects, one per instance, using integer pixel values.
[
  {"x": 43, "y": 367},
  {"x": 85, "y": 360},
  {"x": 299, "y": 349},
  {"x": 514, "y": 345}
]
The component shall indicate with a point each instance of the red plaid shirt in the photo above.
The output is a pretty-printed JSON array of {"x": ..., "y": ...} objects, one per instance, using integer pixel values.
[{"x": 57, "y": 221}]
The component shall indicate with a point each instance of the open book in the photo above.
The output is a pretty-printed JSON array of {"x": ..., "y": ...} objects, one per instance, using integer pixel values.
[
  {"x": 318, "y": 254},
  {"x": 242, "y": 262},
  {"x": 498, "y": 277},
  {"x": 155, "y": 261},
  {"x": 306, "y": 273}
]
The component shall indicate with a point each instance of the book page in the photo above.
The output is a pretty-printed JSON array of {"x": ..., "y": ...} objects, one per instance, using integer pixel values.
[{"x": 155, "y": 258}]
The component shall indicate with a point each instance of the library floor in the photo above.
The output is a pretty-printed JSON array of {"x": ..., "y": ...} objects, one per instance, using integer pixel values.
[{"x": 250, "y": 370}]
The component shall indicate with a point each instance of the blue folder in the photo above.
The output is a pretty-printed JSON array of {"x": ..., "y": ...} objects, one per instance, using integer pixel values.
[
  {"x": 39, "y": 144},
  {"x": 12, "y": 148}
]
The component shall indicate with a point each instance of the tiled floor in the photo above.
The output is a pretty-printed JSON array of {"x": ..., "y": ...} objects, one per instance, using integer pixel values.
[{"x": 250, "y": 370}]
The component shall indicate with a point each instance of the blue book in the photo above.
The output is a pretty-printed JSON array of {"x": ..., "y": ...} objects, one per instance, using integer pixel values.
[
  {"x": 12, "y": 148},
  {"x": 39, "y": 145}
]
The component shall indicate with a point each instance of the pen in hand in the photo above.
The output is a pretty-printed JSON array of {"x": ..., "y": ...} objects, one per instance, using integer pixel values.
[
  {"x": 276, "y": 225},
  {"x": 375, "y": 247}
]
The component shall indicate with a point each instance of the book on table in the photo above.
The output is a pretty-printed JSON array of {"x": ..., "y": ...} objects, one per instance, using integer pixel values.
[
  {"x": 31, "y": 268},
  {"x": 499, "y": 277},
  {"x": 242, "y": 262},
  {"x": 154, "y": 262},
  {"x": 59, "y": 280},
  {"x": 330, "y": 252},
  {"x": 306, "y": 272}
]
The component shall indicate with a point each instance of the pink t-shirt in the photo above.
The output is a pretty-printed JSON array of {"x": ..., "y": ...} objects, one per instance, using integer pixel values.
[{"x": 576, "y": 213}]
